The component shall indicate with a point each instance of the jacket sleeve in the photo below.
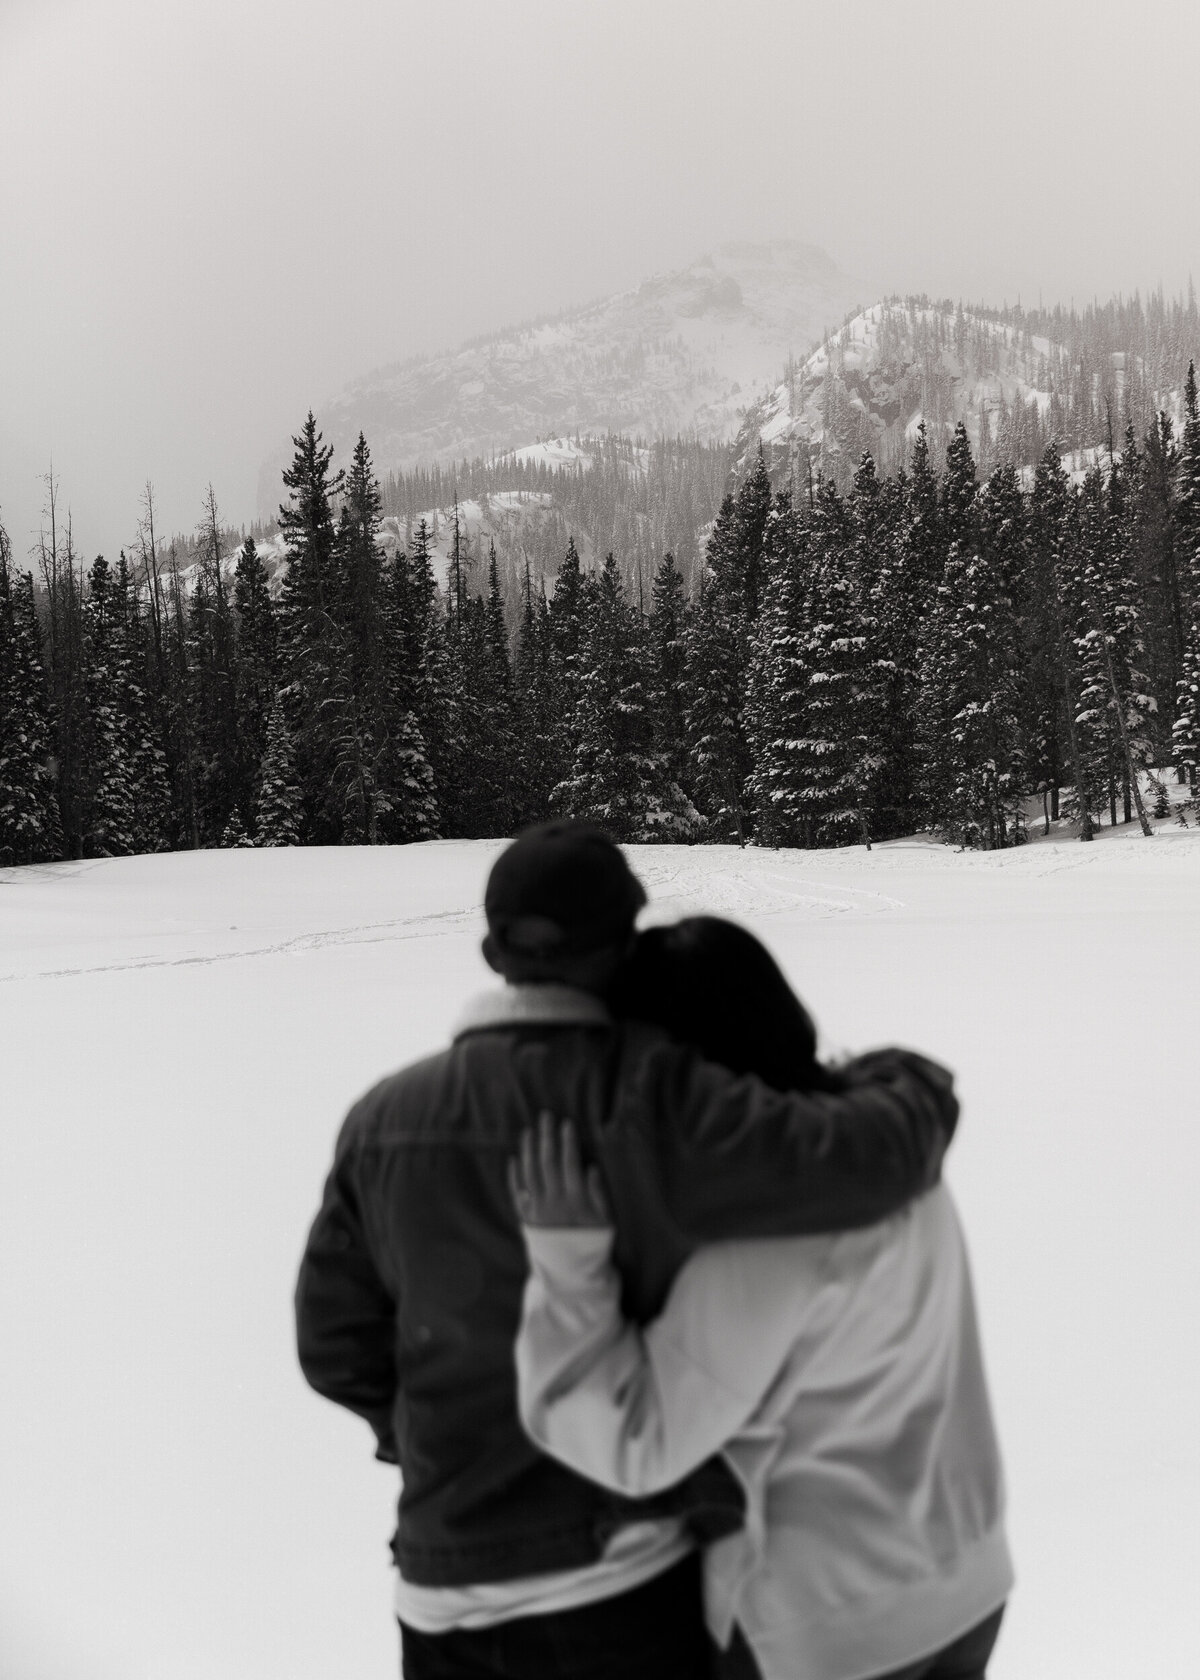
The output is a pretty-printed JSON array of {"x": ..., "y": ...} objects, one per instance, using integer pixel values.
[
  {"x": 345, "y": 1315},
  {"x": 637, "y": 1410},
  {"x": 735, "y": 1158}
]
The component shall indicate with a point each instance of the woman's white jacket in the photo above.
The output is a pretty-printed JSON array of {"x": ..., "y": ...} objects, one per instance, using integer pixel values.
[{"x": 842, "y": 1378}]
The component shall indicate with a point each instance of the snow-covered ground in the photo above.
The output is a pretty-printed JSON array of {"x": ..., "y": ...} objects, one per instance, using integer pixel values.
[{"x": 180, "y": 1036}]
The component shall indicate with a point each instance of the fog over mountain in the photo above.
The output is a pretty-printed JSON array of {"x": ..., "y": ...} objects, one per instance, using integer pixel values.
[{"x": 683, "y": 353}]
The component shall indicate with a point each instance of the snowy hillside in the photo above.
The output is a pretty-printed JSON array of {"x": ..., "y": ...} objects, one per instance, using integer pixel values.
[
  {"x": 181, "y": 1035},
  {"x": 509, "y": 519},
  {"x": 895, "y": 365},
  {"x": 902, "y": 362},
  {"x": 683, "y": 352}
]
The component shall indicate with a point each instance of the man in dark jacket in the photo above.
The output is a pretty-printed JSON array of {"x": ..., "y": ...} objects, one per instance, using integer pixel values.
[{"x": 409, "y": 1293}]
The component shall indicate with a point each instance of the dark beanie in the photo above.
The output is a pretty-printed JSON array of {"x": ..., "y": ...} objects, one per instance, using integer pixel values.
[{"x": 561, "y": 889}]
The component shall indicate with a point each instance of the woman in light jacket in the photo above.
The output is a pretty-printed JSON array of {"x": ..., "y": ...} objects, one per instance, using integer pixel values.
[{"x": 840, "y": 1375}]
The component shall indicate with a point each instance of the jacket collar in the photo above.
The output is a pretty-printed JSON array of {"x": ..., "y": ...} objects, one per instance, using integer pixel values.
[{"x": 519, "y": 1006}]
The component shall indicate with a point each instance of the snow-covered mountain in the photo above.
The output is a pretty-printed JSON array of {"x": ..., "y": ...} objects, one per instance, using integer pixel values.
[
  {"x": 683, "y": 352},
  {"x": 898, "y": 363}
]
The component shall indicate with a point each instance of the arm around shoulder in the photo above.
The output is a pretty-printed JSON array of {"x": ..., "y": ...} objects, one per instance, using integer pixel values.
[{"x": 737, "y": 1158}]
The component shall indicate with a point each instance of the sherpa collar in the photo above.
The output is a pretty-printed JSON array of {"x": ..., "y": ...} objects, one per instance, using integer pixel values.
[{"x": 519, "y": 1006}]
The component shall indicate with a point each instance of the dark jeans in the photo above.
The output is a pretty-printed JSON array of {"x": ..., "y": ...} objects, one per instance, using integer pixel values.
[
  {"x": 655, "y": 1632},
  {"x": 966, "y": 1659}
]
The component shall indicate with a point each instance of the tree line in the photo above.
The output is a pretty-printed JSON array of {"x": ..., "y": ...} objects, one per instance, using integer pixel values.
[{"x": 923, "y": 651}]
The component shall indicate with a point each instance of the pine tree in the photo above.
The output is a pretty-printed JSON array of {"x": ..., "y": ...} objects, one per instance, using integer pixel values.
[
  {"x": 719, "y": 654},
  {"x": 1157, "y": 563},
  {"x": 147, "y": 760},
  {"x": 30, "y": 824},
  {"x": 960, "y": 487},
  {"x": 969, "y": 705},
  {"x": 422, "y": 675},
  {"x": 110, "y": 821},
  {"x": 538, "y": 735},
  {"x": 1053, "y": 551},
  {"x": 211, "y": 683},
  {"x": 489, "y": 745},
  {"x": 256, "y": 672},
  {"x": 309, "y": 653},
  {"x": 1112, "y": 630},
  {"x": 497, "y": 707},
  {"x": 617, "y": 778},
  {"x": 1185, "y": 734},
  {"x": 235, "y": 836},
  {"x": 278, "y": 814},
  {"x": 777, "y": 710},
  {"x": 897, "y": 598},
  {"x": 569, "y": 613},
  {"x": 361, "y": 718},
  {"x": 668, "y": 628},
  {"x": 837, "y": 756}
]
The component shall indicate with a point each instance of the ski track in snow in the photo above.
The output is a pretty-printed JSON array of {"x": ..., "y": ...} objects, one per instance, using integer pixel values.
[
  {"x": 673, "y": 890},
  {"x": 365, "y": 933},
  {"x": 676, "y": 888}
]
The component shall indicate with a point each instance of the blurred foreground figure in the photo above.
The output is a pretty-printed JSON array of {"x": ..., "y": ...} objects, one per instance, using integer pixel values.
[
  {"x": 839, "y": 1375},
  {"x": 409, "y": 1295}
]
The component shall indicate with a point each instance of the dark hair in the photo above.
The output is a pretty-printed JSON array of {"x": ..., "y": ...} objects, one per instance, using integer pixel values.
[{"x": 712, "y": 984}]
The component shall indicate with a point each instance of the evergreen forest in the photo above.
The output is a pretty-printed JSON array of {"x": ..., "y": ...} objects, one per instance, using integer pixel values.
[{"x": 931, "y": 649}]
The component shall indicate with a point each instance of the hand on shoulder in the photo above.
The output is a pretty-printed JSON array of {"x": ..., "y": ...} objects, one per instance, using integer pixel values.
[{"x": 549, "y": 1183}]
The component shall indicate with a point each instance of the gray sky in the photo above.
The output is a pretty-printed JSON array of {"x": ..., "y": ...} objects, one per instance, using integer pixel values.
[{"x": 214, "y": 214}]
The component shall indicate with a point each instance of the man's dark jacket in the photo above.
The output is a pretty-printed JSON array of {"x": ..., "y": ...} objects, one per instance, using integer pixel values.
[{"x": 409, "y": 1293}]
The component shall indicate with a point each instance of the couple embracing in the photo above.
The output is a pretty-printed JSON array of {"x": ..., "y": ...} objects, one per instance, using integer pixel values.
[{"x": 668, "y": 1327}]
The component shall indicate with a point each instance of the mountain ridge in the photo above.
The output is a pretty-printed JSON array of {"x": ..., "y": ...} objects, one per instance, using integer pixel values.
[{"x": 683, "y": 353}]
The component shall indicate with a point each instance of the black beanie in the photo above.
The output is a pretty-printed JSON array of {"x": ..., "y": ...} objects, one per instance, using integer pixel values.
[{"x": 561, "y": 889}]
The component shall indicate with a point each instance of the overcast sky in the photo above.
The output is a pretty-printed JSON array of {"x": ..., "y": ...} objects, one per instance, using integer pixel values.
[{"x": 214, "y": 214}]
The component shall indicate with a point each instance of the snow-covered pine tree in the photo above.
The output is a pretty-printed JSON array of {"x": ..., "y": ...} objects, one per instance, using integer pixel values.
[
  {"x": 1053, "y": 550},
  {"x": 380, "y": 788},
  {"x": 500, "y": 703},
  {"x": 178, "y": 719},
  {"x": 1158, "y": 570},
  {"x": 147, "y": 759},
  {"x": 836, "y": 757},
  {"x": 618, "y": 779},
  {"x": 667, "y": 636},
  {"x": 538, "y": 735},
  {"x": 489, "y": 743},
  {"x": 308, "y": 654},
  {"x": 422, "y": 675},
  {"x": 211, "y": 690},
  {"x": 30, "y": 825},
  {"x": 973, "y": 778},
  {"x": 569, "y": 628},
  {"x": 1185, "y": 733},
  {"x": 777, "y": 708},
  {"x": 874, "y": 514},
  {"x": 719, "y": 653},
  {"x": 110, "y": 823},
  {"x": 960, "y": 486},
  {"x": 412, "y": 811},
  {"x": 925, "y": 542},
  {"x": 235, "y": 836},
  {"x": 1109, "y": 598},
  {"x": 898, "y": 597},
  {"x": 278, "y": 813},
  {"x": 256, "y": 672}
]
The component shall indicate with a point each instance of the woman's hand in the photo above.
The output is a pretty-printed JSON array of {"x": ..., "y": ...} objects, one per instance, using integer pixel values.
[{"x": 550, "y": 1185}]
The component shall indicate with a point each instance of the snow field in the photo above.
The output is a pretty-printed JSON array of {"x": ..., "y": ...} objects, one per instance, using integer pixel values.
[{"x": 181, "y": 1035}]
